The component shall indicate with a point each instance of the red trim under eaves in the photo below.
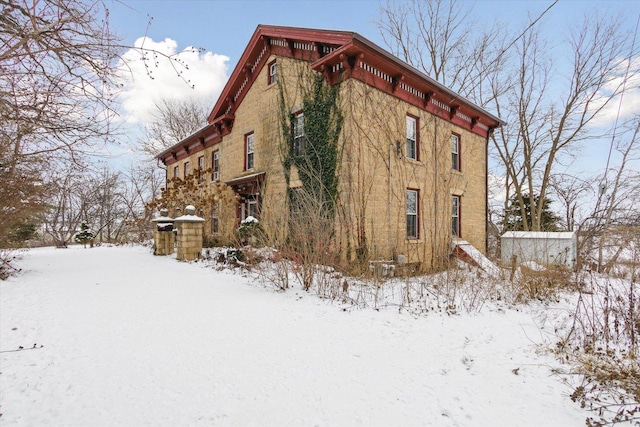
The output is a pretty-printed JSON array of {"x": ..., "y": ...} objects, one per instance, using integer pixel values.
[{"x": 338, "y": 55}]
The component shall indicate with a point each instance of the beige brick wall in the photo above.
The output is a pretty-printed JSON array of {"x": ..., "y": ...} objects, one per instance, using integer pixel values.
[
  {"x": 189, "y": 240},
  {"x": 374, "y": 174},
  {"x": 164, "y": 242}
]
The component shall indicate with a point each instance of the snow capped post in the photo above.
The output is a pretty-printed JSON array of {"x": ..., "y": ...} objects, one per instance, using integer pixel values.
[
  {"x": 189, "y": 236},
  {"x": 163, "y": 233}
]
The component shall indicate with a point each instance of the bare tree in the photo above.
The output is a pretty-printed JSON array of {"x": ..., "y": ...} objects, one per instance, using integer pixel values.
[
  {"x": 59, "y": 64},
  {"x": 434, "y": 37},
  {"x": 617, "y": 207},
  {"x": 551, "y": 125},
  {"x": 173, "y": 121},
  {"x": 69, "y": 206},
  {"x": 549, "y": 112},
  {"x": 143, "y": 185},
  {"x": 570, "y": 191}
]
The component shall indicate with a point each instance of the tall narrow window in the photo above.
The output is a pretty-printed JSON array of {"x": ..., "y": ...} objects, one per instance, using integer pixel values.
[
  {"x": 455, "y": 216},
  {"x": 186, "y": 169},
  {"x": 248, "y": 146},
  {"x": 215, "y": 165},
  {"x": 176, "y": 171},
  {"x": 412, "y": 137},
  {"x": 412, "y": 214},
  {"x": 215, "y": 221},
  {"x": 298, "y": 135},
  {"x": 200, "y": 169},
  {"x": 455, "y": 152},
  {"x": 273, "y": 72}
]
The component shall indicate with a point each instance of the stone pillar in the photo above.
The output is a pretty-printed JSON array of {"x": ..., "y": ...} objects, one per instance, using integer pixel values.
[
  {"x": 163, "y": 234},
  {"x": 189, "y": 236}
]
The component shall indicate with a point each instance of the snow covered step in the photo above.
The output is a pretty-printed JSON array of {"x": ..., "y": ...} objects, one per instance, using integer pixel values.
[{"x": 466, "y": 252}]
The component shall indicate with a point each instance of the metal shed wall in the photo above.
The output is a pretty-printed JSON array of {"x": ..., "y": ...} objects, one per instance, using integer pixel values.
[{"x": 542, "y": 247}]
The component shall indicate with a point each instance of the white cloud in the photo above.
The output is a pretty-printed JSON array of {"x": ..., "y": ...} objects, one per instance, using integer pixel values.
[
  {"x": 154, "y": 70},
  {"x": 629, "y": 103}
]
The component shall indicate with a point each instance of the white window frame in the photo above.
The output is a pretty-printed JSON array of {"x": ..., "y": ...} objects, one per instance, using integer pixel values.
[
  {"x": 187, "y": 168},
  {"x": 412, "y": 208},
  {"x": 249, "y": 161},
  {"x": 412, "y": 137},
  {"x": 455, "y": 151},
  {"x": 273, "y": 72},
  {"x": 215, "y": 175},
  {"x": 455, "y": 216},
  {"x": 249, "y": 208},
  {"x": 298, "y": 134}
]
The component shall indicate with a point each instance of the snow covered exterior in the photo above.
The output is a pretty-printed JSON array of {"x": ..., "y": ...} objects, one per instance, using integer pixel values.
[
  {"x": 189, "y": 235},
  {"x": 546, "y": 248},
  {"x": 413, "y": 169},
  {"x": 163, "y": 237},
  {"x": 129, "y": 339}
]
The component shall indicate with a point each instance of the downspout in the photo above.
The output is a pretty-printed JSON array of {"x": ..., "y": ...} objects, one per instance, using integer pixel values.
[
  {"x": 389, "y": 206},
  {"x": 486, "y": 194},
  {"x": 434, "y": 244}
]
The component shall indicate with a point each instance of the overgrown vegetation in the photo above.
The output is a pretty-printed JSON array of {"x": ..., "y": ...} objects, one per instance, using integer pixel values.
[
  {"x": 597, "y": 338},
  {"x": 207, "y": 198},
  {"x": 311, "y": 150}
]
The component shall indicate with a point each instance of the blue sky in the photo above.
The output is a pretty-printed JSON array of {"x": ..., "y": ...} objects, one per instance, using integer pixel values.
[
  {"x": 223, "y": 29},
  {"x": 225, "y": 26}
]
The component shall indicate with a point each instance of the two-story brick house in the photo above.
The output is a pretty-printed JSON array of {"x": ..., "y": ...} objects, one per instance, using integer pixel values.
[{"x": 412, "y": 174}]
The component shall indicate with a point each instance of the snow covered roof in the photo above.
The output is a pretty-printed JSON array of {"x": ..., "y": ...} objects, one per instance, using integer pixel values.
[{"x": 539, "y": 235}]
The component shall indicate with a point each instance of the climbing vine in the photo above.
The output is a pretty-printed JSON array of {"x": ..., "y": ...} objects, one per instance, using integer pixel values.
[
  {"x": 313, "y": 146},
  {"x": 311, "y": 153}
]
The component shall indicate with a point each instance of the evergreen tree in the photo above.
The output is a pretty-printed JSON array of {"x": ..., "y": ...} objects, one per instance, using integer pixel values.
[
  {"x": 549, "y": 221},
  {"x": 84, "y": 235}
]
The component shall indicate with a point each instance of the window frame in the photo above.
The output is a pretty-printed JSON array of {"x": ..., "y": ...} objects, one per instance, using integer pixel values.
[
  {"x": 298, "y": 137},
  {"x": 186, "y": 170},
  {"x": 415, "y": 221},
  {"x": 249, "y": 151},
  {"x": 215, "y": 220},
  {"x": 456, "y": 204},
  {"x": 248, "y": 206},
  {"x": 272, "y": 72},
  {"x": 176, "y": 171},
  {"x": 415, "y": 142},
  {"x": 455, "y": 155},
  {"x": 200, "y": 169},
  {"x": 215, "y": 165}
]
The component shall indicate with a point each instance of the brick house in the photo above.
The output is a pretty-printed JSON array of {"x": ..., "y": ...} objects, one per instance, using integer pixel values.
[{"x": 412, "y": 173}]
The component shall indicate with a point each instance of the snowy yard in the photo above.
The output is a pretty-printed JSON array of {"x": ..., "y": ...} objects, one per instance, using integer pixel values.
[{"x": 130, "y": 339}]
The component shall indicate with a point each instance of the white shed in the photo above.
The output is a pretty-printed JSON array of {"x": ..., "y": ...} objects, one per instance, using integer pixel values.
[{"x": 542, "y": 247}]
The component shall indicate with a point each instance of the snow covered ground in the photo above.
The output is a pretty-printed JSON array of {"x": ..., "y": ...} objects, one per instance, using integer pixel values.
[{"x": 130, "y": 339}]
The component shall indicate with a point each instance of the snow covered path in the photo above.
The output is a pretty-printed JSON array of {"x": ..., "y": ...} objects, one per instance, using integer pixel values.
[{"x": 134, "y": 340}]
